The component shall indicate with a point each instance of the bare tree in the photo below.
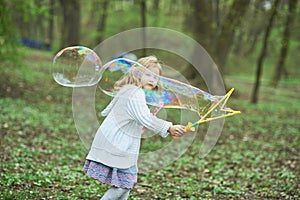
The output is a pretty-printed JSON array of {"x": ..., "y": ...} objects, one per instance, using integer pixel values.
[
  {"x": 198, "y": 19},
  {"x": 255, "y": 25},
  {"x": 144, "y": 24},
  {"x": 102, "y": 21},
  {"x": 51, "y": 22},
  {"x": 71, "y": 22},
  {"x": 8, "y": 47},
  {"x": 284, "y": 43},
  {"x": 263, "y": 53},
  {"x": 226, "y": 36},
  {"x": 38, "y": 22}
]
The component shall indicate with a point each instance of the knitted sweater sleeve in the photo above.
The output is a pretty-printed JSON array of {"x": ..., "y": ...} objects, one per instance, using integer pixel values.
[
  {"x": 108, "y": 108},
  {"x": 140, "y": 112}
]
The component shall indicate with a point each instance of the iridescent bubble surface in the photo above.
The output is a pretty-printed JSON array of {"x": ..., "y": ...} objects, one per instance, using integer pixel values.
[
  {"x": 170, "y": 92},
  {"x": 76, "y": 66}
]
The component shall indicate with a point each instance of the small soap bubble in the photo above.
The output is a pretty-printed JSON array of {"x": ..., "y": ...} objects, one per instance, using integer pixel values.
[{"x": 76, "y": 66}]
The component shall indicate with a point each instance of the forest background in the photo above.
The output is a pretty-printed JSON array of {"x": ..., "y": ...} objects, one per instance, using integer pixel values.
[{"x": 254, "y": 43}]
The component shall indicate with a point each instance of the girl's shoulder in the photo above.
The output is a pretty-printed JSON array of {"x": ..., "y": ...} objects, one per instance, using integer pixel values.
[
  {"x": 131, "y": 89},
  {"x": 129, "y": 86}
]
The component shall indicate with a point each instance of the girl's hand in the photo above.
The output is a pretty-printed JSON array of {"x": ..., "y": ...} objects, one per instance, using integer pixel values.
[{"x": 177, "y": 130}]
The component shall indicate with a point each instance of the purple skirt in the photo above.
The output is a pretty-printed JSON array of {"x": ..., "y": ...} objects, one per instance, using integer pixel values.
[{"x": 122, "y": 178}]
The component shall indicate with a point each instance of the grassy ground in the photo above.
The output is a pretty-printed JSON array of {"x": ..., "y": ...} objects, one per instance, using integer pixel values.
[{"x": 256, "y": 157}]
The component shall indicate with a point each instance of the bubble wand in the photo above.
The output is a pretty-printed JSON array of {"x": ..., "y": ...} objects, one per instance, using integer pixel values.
[{"x": 204, "y": 118}]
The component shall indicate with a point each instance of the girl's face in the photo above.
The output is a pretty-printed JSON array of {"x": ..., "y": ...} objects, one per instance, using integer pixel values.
[{"x": 148, "y": 80}]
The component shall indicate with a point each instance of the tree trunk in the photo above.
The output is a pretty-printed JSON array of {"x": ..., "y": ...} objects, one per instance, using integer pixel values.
[
  {"x": 263, "y": 53},
  {"x": 8, "y": 47},
  {"x": 199, "y": 21},
  {"x": 39, "y": 27},
  {"x": 217, "y": 2},
  {"x": 143, "y": 24},
  {"x": 102, "y": 22},
  {"x": 253, "y": 42},
  {"x": 155, "y": 5},
  {"x": 155, "y": 11},
  {"x": 233, "y": 19},
  {"x": 71, "y": 22},
  {"x": 284, "y": 43},
  {"x": 239, "y": 43},
  {"x": 51, "y": 23},
  {"x": 255, "y": 27}
]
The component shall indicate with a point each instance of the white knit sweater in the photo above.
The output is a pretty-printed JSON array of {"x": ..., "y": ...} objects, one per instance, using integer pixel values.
[{"x": 117, "y": 141}]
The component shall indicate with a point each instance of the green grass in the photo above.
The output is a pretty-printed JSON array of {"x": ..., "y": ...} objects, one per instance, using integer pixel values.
[{"x": 256, "y": 156}]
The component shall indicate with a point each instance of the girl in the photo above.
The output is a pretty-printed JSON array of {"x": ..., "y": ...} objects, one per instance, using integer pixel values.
[{"x": 113, "y": 156}]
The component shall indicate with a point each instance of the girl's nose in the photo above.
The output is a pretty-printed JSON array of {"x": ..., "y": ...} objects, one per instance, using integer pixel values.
[{"x": 153, "y": 80}]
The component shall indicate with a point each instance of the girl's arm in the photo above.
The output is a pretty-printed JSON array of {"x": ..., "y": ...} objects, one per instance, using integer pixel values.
[
  {"x": 108, "y": 108},
  {"x": 140, "y": 112}
]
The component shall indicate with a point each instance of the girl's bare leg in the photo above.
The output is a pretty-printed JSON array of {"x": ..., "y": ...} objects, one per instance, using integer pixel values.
[{"x": 115, "y": 193}]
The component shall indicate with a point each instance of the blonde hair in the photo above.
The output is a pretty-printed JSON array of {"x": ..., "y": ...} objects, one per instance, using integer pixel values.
[
  {"x": 130, "y": 77},
  {"x": 150, "y": 62}
]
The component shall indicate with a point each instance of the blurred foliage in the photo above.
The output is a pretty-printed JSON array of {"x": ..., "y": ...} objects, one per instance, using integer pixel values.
[
  {"x": 31, "y": 19},
  {"x": 8, "y": 37}
]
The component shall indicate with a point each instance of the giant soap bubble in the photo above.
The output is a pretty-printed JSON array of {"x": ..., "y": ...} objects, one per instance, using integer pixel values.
[
  {"x": 170, "y": 92},
  {"x": 76, "y": 66}
]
